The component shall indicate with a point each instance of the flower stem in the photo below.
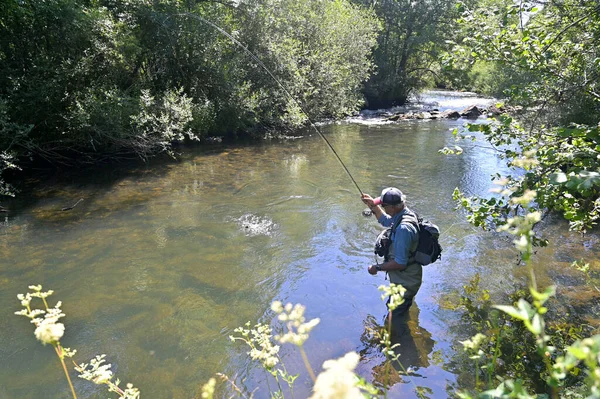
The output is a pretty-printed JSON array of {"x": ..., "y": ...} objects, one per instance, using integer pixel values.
[
  {"x": 58, "y": 350},
  {"x": 307, "y": 365}
]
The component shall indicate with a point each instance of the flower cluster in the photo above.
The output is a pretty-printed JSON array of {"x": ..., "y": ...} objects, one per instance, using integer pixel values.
[
  {"x": 474, "y": 344},
  {"x": 208, "y": 389},
  {"x": 520, "y": 226},
  {"x": 95, "y": 371},
  {"x": 293, "y": 316},
  {"x": 395, "y": 293},
  {"x": 48, "y": 329},
  {"x": 338, "y": 379},
  {"x": 100, "y": 373},
  {"x": 260, "y": 343}
]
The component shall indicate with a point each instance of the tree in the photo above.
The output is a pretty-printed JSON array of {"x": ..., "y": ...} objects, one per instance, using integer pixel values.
[
  {"x": 555, "y": 43},
  {"x": 87, "y": 80},
  {"x": 407, "y": 56}
]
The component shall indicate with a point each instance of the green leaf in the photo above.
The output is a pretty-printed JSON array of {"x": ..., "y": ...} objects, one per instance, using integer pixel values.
[
  {"x": 537, "y": 324},
  {"x": 558, "y": 178},
  {"x": 513, "y": 312}
]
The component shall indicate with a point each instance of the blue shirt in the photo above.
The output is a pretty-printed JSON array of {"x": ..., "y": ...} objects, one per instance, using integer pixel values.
[
  {"x": 403, "y": 238},
  {"x": 404, "y": 241}
]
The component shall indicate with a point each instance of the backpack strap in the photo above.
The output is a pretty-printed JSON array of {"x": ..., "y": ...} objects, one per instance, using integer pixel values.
[
  {"x": 395, "y": 225},
  {"x": 413, "y": 219}
]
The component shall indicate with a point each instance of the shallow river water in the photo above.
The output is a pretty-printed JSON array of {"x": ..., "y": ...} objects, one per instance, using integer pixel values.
[{"x": 160, "y": 262}]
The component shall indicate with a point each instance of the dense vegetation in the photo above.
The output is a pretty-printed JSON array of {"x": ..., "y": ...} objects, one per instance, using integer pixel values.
[
  {"x": 88, "y": 80},
  {"x": 543, "y": 56},
  {"x": 409, "y": 50}
]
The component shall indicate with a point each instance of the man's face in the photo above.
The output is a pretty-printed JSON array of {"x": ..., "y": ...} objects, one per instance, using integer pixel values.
[{"x": 391, "y": 209}]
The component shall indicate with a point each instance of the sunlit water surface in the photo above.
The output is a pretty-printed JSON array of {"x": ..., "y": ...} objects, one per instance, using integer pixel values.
[{"x": 160, "y": 262}]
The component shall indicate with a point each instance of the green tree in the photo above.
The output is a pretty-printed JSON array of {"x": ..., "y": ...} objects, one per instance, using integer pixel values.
[
  {"x": 555, "y": 45},
  {"x": 409, "y": 48},
  {"x": 88, "y": 80}
]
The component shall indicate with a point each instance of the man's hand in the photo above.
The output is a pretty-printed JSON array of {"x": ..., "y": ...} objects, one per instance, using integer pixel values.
[
  {"x": 372, "y": 270},
  {"x": 367, "y": 199}
]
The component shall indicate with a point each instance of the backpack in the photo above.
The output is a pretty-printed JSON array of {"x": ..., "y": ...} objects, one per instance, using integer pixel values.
[{"x": 428, "y": 249}]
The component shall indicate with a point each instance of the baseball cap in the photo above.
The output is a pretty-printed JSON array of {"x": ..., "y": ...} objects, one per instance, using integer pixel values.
[{"x": 390, "y": 196}]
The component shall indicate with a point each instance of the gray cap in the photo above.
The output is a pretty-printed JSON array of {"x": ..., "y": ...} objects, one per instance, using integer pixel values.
[{"x": 390, "y": 196}]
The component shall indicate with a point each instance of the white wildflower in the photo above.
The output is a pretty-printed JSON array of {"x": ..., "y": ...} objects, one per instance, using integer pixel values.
[
  {"x": 293, "y": 316},
  {"x": 49, "y": 332},
  {"x": 98, "y": 372},
  {"x": 474, "y": 343},
  {"x": 395, "y": 293},
  {"x": 527, "y": 197},
  {"x": 130, "y": 393},
  {"x": 338, "y": 379},
  {"x": 68, "y": 352},
  {"x": 277, "y": 307},
  {"x": 25, "y": 299},
  {"x": 522, "y": 244},
  {"x": 260, "y": 343}
]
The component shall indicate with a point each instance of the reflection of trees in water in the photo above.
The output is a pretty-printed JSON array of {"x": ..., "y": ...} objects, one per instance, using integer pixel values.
[{"x": 409, "y": 340}]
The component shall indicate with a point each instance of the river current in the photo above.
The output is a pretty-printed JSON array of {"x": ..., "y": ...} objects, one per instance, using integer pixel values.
[{"x": 161, "y": 261}]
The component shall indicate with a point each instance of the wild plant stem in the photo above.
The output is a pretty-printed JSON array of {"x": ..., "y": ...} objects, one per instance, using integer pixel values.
[
  {"x": 278, "y": 384},
  {"x": 533, "y": 282},
  {"x": 233, "y": 386},
  {"x": 495, "y": 358},
  {"x": 477, "y": 374},
  {"x": 268, "y": 382},
  {"x": 58, "y": 350},
  {"x": 388, "y": 344},
  {"x": 290, "y": 385},
  {"x": 307, "y": 364}
]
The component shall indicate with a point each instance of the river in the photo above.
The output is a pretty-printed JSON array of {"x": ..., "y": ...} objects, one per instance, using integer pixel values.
[{"x": 161, "y": 261}]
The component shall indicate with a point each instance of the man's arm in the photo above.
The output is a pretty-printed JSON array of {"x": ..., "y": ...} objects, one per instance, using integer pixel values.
[
  {"x": 401, "y": 243},
  {"x": 386, "y": 267}
]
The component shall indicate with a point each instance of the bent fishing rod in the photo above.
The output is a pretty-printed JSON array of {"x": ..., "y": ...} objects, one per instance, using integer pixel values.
[{"x": 296, "y": 102}]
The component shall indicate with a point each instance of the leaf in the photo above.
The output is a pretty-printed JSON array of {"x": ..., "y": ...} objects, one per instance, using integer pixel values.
[
  {"x": 537, "y": 324},
  {"x": 589, "y": 179},
  {"x": 513, "y": 312},
  {"x": 558, "y": 178},
  {"x": 544, "y": 295}
]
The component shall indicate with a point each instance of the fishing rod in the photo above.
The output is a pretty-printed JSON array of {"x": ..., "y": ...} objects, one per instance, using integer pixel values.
[{"x": 296, "y": 102}]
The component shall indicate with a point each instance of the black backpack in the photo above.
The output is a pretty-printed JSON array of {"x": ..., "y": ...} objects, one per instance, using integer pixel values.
[{"x": 428, "y": 250}]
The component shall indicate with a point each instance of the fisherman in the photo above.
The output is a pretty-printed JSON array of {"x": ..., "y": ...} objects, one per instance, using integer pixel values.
[{"x": 390, "y": 208}]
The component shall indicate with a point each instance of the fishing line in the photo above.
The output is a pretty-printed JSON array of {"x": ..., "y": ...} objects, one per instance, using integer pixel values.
[{"x": 296, "y": 102}]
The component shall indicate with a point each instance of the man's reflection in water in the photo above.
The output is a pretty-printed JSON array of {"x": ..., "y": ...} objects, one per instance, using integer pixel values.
[{"x": 410, "y": 341}]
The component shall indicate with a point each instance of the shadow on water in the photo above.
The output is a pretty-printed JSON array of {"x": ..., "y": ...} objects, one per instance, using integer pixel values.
[
  {"x": 54, "y": 194},
  {"x": 411, "y": 343}
]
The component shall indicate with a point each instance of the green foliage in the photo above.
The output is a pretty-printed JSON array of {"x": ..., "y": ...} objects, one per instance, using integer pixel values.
[
  {"x": 407, "y": 57},
  {"x": 554, "y": 354},
  {"x": 9, "y": 134},
  {"x": 541, "y": 55},
  {"x": 337, "y": 380},
  {"x": 86, "y": 80},
  {"x": 560, "y": 164},
  {"x": 545, "y": 58},
  {"x": 321, "y": 49}
]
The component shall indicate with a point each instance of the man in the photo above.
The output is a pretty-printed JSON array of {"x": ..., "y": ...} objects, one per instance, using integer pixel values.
[{"x": 389, "y": 208}]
